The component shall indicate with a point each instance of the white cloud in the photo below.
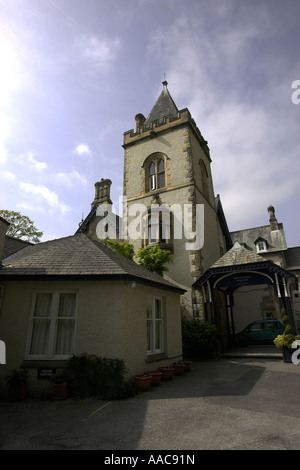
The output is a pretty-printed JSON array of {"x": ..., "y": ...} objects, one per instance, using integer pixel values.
[
  {"x": 33, "y": 164},
  {"x": 8, "y": 176},
  {"x": 43, "y": 194},
  {"x": 30, "y": 207},
  {"x": 10, "y": 80},
  {"x": 82, "y": 149},
  {"x": 100, "y": 51},
  {"x": 10, "y": 64},
  {"x": 6, "y": 129},
  {"x": 70, "y": 178},
  {"x": 241, "y": 119}
]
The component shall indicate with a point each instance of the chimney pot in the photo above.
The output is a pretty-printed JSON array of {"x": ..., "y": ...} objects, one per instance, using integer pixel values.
[
  {"x": 139, "y": 121},
  {"x": 102, "y": 192},
  {"x": 272, "y": 220}
]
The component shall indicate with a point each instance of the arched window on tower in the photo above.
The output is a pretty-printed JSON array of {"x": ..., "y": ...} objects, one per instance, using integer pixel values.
[{"x": 156, "y": 176}]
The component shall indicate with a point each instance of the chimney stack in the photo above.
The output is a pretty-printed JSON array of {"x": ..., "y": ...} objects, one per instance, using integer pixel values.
[
  {"x": 3, "y": 229},
  {"x": 272, "y": 220},
  {"x": 139, "y": 121},
  {"x": 102, "y": 192}
]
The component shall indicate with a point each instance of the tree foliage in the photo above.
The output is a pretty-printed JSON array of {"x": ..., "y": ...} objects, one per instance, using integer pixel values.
[
  {"x": 21, "y": 226},
  {"x": 153, "y": 259},
  {"x": 124, "y": 248}
]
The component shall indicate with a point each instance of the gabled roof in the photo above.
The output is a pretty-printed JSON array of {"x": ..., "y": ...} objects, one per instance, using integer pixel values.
[
  {"x": 113, "y": 219},
  {"x": 164, "y": 106},
  {"x": 12, "y": 245},
  {"x": 77, "y": 257}
]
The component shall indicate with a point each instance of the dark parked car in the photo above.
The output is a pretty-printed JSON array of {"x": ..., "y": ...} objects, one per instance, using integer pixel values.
[{"x": 260, "y": 332}]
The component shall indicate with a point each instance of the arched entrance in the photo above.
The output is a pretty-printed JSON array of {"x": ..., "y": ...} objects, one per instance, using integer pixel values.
[{"x": 240, "y": 269}]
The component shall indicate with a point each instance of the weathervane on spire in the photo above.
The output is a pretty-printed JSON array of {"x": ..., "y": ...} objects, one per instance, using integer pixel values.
[{"x": 165, "y": 83}]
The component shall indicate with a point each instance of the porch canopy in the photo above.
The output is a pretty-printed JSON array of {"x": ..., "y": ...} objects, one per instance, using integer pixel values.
[{"x": 242, "y": 267}]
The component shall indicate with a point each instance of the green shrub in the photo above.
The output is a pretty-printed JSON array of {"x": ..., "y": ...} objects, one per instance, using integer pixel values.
[
  {"x": 287, "y": 338},
  {"x": 199, "y": 339},
  {"x": 17, "y": 377},
  {"x": 97, "y": 376}
]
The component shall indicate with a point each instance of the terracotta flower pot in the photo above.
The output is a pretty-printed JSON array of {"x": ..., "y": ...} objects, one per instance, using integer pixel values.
[
  {"x": 156, "y": 376},
  {"x": 187, "y": 365},
  {"x": 167, "y": 372},
  {"x": 143, "y": 381},
  {"x": 18, "y": 391},
  {"x": 59, "y": 391},
  {"x": 178, "y": 369}
]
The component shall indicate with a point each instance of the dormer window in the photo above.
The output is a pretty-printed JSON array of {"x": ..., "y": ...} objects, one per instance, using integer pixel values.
[
  {"x": 261, "y": 245},
  {"x": 156, "y": 173}
]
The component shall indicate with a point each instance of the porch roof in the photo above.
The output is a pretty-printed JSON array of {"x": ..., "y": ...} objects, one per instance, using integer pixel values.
[{"x": 238, "y": 259}]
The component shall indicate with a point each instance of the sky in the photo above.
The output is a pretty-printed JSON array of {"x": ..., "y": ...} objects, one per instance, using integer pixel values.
[{"x": 74, "y": 73}]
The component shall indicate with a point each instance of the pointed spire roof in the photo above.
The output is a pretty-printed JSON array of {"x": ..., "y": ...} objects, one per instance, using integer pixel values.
[{"x": 164, "y": 106}]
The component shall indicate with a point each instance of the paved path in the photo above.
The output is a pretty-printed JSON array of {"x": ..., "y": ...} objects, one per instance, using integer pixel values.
[{"x": 233, "y": 403}]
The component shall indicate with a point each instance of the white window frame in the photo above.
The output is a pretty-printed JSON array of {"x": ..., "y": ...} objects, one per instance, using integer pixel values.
[
  {"x": 154, "y": 179},
  {"x": 156, "y": 227},
  {"x": 152, "y": 182},
  {"x": 261, "y": 246},
  {"x": 53, "y": 319},
  {"x": 155, "y": 324}
]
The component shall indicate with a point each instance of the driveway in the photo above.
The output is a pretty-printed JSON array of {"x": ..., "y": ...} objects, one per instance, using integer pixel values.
[{"x": 232, "y": 403}]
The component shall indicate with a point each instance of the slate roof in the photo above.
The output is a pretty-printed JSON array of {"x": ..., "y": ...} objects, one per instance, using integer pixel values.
[
  {"x": 237, "y": 256},
  {"x": 164, "y": 106},
  {"x": 12, "y": 245},
  {"x": 237, "y": 259},
  {"x": 77, "y": 257},
  {"x": 275, "y": 238}
]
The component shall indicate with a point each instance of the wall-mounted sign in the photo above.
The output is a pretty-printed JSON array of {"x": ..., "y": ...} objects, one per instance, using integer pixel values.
[
  {"x": 46, "y": 373},
  {"x": 243, "y": 279}
]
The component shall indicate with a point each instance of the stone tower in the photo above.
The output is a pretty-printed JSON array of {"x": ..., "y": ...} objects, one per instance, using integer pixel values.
[{"x": 168, "y": 185}]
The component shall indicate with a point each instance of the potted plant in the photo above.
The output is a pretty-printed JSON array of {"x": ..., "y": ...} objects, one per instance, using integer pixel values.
[
  {"x": 286, "y": 341},
  {"x": 142, "y": 381},
  {"x": 17, "y": 381},
  {"x": 59, "y": 386},
  {"x": 167, "y": 372},
  {"x": 156, "y": 376}
]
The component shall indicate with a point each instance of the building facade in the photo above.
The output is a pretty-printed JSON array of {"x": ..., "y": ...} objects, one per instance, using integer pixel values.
[{"x": 169, "y": 196}]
